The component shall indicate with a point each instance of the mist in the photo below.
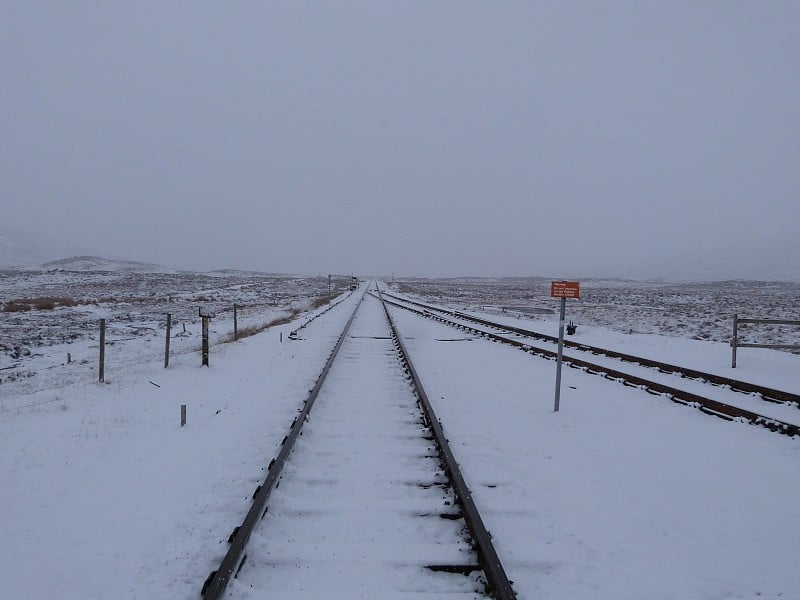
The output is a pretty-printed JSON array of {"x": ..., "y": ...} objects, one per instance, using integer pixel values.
[{"x": 432, "y": 139}]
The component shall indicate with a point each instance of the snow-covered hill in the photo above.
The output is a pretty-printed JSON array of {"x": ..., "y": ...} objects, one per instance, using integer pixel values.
[
  {"x": 96, "y": 263},
  {"x": 25, "y": 249}
]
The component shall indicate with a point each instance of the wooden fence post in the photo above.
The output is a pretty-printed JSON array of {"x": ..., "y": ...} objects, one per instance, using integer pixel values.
[
  {"x": 102, "y": 377},
  {"x": 205, "y": 340},
  {"x": 183, "y": 415},
  {"x": 166, "y": 344},
  {"x": 235, "y": 324},
  {"x": 735, "y": 340}
]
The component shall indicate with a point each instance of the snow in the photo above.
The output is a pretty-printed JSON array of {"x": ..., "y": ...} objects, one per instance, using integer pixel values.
[
  {"x": 619, "y": 495},
  {"x": 106, "y": 496},
  {"x": 770, "y": 368},
  {"x": 350, "y": 507}
]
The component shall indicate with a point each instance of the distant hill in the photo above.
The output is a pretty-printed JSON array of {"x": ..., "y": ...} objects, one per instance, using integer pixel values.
[
  {"x": 21, "y": 249},
  {"x": 96, "y": 263}
]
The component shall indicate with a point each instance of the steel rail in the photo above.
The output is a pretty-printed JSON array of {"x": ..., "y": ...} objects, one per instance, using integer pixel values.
[
  {"x": 706, "y": 405},
  {"x": 768, "y": 394},
  {"x": 218, "y": 580},
  {"x": 497, "y": 581}
]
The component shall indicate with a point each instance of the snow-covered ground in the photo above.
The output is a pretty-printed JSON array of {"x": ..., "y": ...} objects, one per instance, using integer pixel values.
[
  {"x": 700, "y": 311},
  {"x": 104, "y": 495},
  {"x": 619, "y": 495}
]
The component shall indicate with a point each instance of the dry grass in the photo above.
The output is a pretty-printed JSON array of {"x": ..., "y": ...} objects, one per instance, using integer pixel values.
[
  {"x": 246, "y": 332},
  {"x": 40, "y": 303},
  {"x": 317, "y": 302},
  {"x": 293, "y": 312}
]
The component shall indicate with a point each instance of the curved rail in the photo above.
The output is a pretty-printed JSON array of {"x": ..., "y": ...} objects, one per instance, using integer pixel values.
[
  {"x": 707, "y": 405},
  {"x": 497, "y": 581},
  {"x": 217, "y": 581},
  {"x": 768, "y": 394}
]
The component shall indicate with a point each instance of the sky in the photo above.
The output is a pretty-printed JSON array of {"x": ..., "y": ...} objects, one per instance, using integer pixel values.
[{"x": 415, "y": 138}]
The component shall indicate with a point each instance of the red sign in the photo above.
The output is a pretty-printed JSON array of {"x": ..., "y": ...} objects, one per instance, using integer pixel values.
[{"x": 565, "y": 289}]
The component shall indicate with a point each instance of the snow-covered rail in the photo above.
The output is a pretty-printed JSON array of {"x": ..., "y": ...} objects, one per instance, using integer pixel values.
[
  {"x": 723, "y": 409},
  {"x": 746, "y": 387},
  {"x": 372, "y": 503}
]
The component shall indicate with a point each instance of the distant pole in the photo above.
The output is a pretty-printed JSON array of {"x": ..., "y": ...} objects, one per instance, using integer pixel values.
[
  {"x": 166, "y": 344},
  {"x": 183, "y": 415},
  {"x": 235, "y": 324},
  {"x": 205, "y": 340},
  {"x": 735, "y": 340},
  {"x": 102, "y": 350},
  {"x": 560, "y": 352}
]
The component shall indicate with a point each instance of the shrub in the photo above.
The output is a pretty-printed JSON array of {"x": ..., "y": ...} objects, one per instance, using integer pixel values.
[{"x": 40, "y": 303}]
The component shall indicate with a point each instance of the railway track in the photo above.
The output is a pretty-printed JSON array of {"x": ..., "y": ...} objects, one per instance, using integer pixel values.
[
  {"x": 371, "y": 500},
  {"x": 479, "y": 327}
]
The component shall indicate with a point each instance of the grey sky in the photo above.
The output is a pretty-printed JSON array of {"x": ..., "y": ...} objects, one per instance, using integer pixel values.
[{"x": 422, "y": 138}]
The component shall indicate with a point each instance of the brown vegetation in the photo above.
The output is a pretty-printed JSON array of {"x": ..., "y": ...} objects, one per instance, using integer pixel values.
[
  {"x": 40, "y": 303},
  {"x": 254, "y": 329},
  {"x": 321, "y": 300}
]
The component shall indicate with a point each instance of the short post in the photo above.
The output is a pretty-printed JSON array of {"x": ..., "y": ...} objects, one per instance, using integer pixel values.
[
  {"x": 102, "y": 350},
  {"x": 69, "y": 358},
  {"x": 235, "y": 324},
  {"x": 183, "y": 415},
  {"x": 281, "y": 337},
  {"x": 166, "y": 343},
  {"x": 735, "y": 340}
]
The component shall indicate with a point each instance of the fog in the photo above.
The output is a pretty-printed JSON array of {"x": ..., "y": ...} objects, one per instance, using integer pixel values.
[{"x": 415, "y": 138}]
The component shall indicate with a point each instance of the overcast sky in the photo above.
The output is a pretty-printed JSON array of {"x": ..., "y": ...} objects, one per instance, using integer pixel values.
[{"x": 420, "y": 138}]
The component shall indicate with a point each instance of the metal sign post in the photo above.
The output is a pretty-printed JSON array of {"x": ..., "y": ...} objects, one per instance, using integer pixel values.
[
  {"x": 563, "y": 290},
  {"x": 560, "y": 351}
]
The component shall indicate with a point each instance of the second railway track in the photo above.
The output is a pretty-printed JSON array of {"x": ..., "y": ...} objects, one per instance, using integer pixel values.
[
  {"x": 697, "y": 398},
  {"x": 370, "y": 502}
]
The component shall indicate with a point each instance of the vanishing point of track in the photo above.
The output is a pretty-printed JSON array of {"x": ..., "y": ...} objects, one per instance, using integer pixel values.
[{"x": 373, "y": 490}]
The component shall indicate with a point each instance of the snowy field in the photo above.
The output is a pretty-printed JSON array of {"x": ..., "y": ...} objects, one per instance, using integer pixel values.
[
  {"x": 35, "y": 342},
  {"x": 620, "y": 495},
  {"x": 699, "y": 311}
]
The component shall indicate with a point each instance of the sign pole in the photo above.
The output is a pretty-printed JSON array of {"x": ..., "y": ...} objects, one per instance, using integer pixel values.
[
  {"x": 560, "y": 352},
  {"x": 562, "y": 290}
]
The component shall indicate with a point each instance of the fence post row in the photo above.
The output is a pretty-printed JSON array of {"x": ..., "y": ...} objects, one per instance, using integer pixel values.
[
  {"x": 205, "y": 350},
  {"x": 735, "y": 338}
]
